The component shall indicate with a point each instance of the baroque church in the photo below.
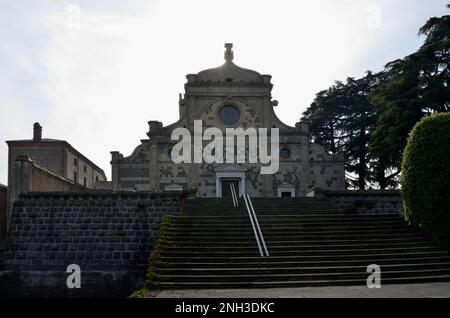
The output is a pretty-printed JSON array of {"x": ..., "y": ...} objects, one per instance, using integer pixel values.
[{"x": 228, "y": 96}]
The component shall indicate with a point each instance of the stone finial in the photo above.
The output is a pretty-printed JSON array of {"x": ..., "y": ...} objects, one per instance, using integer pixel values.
[
  {"x": 180, "y": 99},
  {"x": 154, "y": 125},
  {"x": 115, "y": 156},
  {"x": 228, "y": 52}
]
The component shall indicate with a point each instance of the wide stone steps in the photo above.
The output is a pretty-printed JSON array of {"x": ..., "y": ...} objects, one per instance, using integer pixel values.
[
  {"x": 326, "y": 218},
  {"x": 241, "y": 217},
  {"x": 299, "y": 247},
  {"x": 280, "y": 224},
  {"x": 294, "y": 210},
  {"x": 304, "y": 252},
  {"x": 251, "y": 242},
  {"x": 224, "y": 237},
  {"x": 337, "y": 274},
  {"x": 291, "y": 228},
  {"x": 270, "y": 270},
  {"x": 291, "y": 231},
  {"x": 310, "y": 258},
  {"x": 212, "y": 245},
  {"x": 303, "y": 235},
  {"x": 265, "y": 206},
  {"x": 420, "y": 259},
  {"x": 232, "y": 216},
  {"x": 301, "y": 283}
]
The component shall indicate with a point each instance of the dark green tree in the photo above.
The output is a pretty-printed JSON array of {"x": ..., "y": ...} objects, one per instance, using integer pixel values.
[
  {"x": 325, "y": 115},
  {"x": 370, "y": 118},
  {"x": 414, "y": 87},
  {"x": 342, "y": 119}
]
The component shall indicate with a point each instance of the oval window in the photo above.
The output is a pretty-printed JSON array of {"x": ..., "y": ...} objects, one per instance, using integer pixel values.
[{"x": 229, "y": 115}]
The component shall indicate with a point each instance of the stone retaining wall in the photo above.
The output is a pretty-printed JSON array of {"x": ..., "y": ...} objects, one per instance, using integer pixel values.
[
  {"x": 364, "y": 201},
  {"x": 109, "y": 236}
]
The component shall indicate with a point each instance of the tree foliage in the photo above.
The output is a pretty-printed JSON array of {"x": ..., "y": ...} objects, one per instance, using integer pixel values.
[
  {"x": 342, "y": 119},
  {"x": 370, "y": 118},
  {"x": 414, "y": 87}
]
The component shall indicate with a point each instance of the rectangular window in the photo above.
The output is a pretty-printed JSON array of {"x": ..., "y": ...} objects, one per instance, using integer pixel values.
[
  {"x": 96, "y": 178},
  {"x": 75, "y": 176},
  {"x": 84, "y": 181},
  {"x": 84, "y": 168},
  {"x": 75, "y": 161}
]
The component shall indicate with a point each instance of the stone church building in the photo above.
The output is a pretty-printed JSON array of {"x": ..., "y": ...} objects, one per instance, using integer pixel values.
[{"x": 223, "y": 97}]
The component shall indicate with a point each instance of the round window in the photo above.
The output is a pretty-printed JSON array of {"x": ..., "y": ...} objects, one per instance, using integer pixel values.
[
  {"x": 285, "y": 153},
  {"x": 229, "y": 115}
]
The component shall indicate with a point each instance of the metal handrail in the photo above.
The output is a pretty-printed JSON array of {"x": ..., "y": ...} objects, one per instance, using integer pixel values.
[
  {"x": 263, "y": 241},
  {"x": 236, "y": 196},
  {"x": 253, "y": 226},
  {"x": 233, "y": 195}
]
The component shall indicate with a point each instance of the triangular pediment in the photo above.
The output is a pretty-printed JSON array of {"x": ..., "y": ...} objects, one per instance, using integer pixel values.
[{"x": 230, "y": 167}]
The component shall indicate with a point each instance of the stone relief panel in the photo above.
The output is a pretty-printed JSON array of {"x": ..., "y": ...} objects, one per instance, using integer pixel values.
[
  {"x": 325, "y": 176},
  {"x": 288, "y": 174},
  {"x": 173, "y": 174}
]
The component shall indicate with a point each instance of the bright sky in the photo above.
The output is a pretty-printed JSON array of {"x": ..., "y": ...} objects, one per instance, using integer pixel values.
[{"x": 94, "y": 72}]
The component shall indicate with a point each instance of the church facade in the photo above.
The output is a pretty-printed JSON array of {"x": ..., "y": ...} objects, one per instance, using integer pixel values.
[{"x": 228, "y": 96}]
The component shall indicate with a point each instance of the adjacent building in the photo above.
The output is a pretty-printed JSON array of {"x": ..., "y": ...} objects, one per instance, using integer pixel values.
[
  {"x": 48, "y": 165},
  {"x": 56, "y": 155}
]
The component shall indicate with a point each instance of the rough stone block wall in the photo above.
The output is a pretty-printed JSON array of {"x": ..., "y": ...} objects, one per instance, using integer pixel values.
[
  {"x": 109, "y": 236},
  {"x": 365, "y": 201}
]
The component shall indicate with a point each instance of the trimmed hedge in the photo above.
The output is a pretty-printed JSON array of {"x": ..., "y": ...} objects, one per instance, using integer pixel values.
[{"x": 425, "y": 177}]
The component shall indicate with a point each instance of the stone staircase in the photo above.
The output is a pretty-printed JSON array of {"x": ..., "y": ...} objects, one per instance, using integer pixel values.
[{"x": 212, "y": 245}]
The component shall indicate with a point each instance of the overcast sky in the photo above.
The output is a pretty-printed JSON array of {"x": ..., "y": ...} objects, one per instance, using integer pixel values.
[{"x": 94, "y": 72}]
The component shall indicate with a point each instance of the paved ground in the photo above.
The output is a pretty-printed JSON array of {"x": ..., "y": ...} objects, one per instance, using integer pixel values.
[{"x": 390, "y": 291}]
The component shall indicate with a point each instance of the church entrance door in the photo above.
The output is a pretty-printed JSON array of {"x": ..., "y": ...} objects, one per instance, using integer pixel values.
[
  {"x": 226, "y": 187},
  {"x": 230, "y": 174}
]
